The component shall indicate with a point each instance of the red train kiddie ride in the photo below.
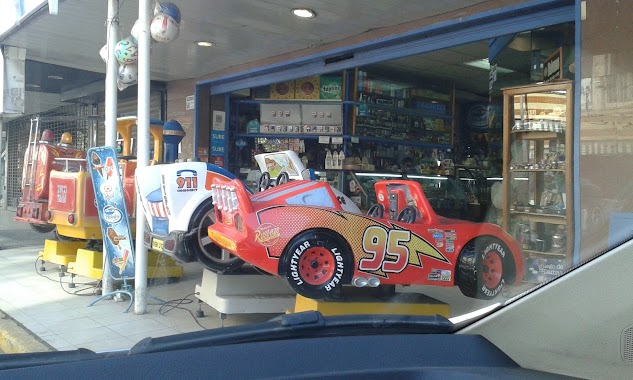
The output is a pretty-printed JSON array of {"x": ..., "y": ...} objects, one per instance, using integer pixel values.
[
  {"x": 302, "y": 231},
  {"x": 42, "y": 157}
]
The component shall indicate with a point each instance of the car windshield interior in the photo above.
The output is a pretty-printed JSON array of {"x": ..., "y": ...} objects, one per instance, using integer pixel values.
[{"x": 180, "y": 167}]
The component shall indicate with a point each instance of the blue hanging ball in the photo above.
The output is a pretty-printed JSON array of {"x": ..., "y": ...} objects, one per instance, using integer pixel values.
[{"x": 169, "y": 9}]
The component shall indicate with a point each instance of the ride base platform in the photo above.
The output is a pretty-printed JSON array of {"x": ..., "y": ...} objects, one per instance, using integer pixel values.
[
  {"x": 371, "y": 301},
  {"x": 89, "y": 263},
  {"x": 245, "y": 292},
  {"x": 61, "y": 252},
  {"x": 250, "y": 292}
]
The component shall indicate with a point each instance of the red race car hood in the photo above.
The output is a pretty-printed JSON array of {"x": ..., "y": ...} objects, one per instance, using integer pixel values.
[{"x": 299, "y": 193}]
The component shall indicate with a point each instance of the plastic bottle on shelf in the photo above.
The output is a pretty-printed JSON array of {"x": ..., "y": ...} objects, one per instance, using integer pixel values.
[
  {"x": 364, "y": 163},
  {"x": 328, "y": 159},
  {"x": 341, "y": 159}
]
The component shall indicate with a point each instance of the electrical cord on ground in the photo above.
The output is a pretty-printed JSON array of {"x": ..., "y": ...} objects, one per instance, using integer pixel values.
[
  {"x": 176, "y": 303},
  {"x": 78, "y": 292},
  {"x": 38, "y": 271},
  {"x": 93, "y": 285}
]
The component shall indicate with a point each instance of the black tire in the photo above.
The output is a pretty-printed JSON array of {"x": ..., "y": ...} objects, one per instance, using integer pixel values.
[
  {"x": 200, "y": 246},
  {"x": 317, "y": 263},
  {"x": 481, "y": 268},
  {"x": 42, "y": 228}
]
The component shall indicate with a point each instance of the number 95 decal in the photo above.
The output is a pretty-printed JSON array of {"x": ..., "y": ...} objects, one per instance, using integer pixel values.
[{"x": 389, "y": 253}]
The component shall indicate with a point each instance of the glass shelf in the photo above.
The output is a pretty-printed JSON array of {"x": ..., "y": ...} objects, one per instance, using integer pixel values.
[{"x": 538, "y": 125}]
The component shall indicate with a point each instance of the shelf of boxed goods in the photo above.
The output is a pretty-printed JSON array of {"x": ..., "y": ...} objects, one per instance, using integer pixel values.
[
  {"x": 284, "y": 136},
  {"x": 345, "y": 138},
  {"x": 540, "y": 218},
  {"x": 545, "y": 254},
  {"x": 287, "y": 101},
  {"x": 400, "y": 142},
  {"x": 387, "y": 118},
  {"x": 534, "y": 135},
  {"x": 404, "y": 111},
  {"x": 536, "y": 170}
]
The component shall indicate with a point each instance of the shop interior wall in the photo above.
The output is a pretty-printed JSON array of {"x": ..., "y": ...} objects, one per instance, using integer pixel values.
[
  {"x": 177, "y": 93},
  {"x": 606, "y": 129}
]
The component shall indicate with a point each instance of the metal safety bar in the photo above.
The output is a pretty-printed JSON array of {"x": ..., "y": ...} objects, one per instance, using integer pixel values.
[{"x": 67, "y": 160}]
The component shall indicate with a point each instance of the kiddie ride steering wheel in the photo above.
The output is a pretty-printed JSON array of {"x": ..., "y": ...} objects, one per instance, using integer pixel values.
[{"x": 264, "y": 182}]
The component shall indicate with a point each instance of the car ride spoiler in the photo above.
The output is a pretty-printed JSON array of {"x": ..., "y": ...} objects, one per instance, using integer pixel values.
[{"x": 229, "y": 196}]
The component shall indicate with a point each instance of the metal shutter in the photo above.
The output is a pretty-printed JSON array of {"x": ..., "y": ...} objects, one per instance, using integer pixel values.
[
  {"x": 130, "y": 107},
  {"x": 18, "y": 139}
]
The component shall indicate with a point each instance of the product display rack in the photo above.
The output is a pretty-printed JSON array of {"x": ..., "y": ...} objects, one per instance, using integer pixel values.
[
  {"x": 537, "y": 169},
  {"x": 386, "y": 109},
  {"x": 428, "y": 126}
]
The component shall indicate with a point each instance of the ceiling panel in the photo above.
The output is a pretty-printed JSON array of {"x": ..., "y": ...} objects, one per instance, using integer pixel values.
[
  {"x": 246, "y": 31},
  {"x": 243, "y": 30}
]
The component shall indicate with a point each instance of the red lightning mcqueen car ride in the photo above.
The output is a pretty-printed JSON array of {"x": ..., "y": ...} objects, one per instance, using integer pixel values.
[{"x": 304, "y": 231}]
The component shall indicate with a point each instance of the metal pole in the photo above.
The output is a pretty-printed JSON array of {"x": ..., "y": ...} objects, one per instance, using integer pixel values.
[
  {"x": 112, "y": 32},
  {"x": 196, "y": 120},
  {"x": 142, "y": 152},
  {"x": 3, "y": 168}
]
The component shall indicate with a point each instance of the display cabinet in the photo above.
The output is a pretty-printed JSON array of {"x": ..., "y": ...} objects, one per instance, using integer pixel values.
[{"x": 537, "y": 172}]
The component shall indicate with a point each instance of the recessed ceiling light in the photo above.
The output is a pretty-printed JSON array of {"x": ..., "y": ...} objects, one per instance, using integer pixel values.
[
  {"x": 485, "y": 65},
  {"x": 32, "y": 85},
  {"x": 205, "y": 43},
  {"x": 304, "y": 13},
  {"x": 55, "y": 77}
]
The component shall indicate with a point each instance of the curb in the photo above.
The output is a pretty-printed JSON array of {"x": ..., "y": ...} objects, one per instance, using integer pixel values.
[{"x": 15, "y": 338}]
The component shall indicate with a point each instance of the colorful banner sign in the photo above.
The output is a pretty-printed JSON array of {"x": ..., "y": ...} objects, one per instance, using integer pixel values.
[{"x": 115, "y": 226}]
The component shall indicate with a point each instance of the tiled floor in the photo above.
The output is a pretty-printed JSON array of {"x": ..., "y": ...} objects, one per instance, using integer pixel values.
[
  {"x": 65, "y": 321},
  {"x": 47, "y": 306}
]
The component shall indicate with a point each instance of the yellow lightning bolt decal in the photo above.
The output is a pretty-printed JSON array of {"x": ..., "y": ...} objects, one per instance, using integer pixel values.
[
  {"x": 351, "y": 227},
  {"x": 418, "y": 246}
]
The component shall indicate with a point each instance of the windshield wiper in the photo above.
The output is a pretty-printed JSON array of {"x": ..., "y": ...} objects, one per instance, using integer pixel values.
[{"x": 300, "y": 325}]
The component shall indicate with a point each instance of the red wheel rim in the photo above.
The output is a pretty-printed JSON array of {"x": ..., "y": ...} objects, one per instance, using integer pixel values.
[
  {"x": 317, "y": 266},
  {"x": 492, "y": 269}
]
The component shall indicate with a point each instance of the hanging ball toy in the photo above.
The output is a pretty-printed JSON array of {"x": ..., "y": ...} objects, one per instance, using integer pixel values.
[
  {"x": 128, "y": 74},
  {"x": 164, "y": 28},
  {"x": 126, "y": 50},
  {"x": 135, "y": 29},
  {"x": 104, "y": 53},
  {"x": 169, "y": 9}
]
